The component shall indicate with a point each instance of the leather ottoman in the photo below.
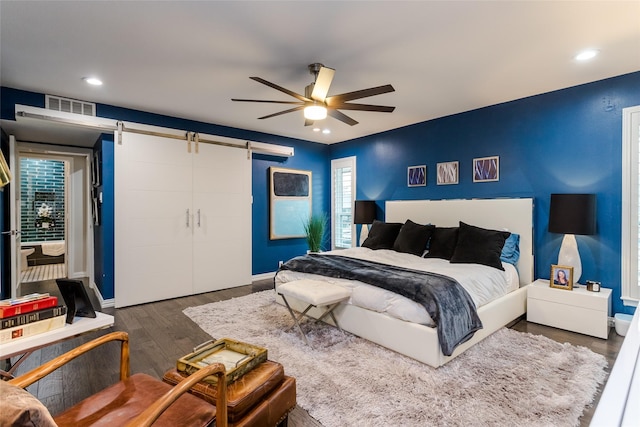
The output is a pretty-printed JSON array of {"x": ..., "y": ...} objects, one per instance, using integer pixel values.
[
  {"x": 274, "y": 408},
  {"x": 262, "y": 392}
]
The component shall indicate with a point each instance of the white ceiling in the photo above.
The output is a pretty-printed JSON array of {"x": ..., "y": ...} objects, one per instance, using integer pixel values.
[{"x": 188, "y": 59}]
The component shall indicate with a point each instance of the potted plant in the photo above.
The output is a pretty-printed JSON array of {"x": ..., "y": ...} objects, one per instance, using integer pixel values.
[{"x": 314, "y": 231}]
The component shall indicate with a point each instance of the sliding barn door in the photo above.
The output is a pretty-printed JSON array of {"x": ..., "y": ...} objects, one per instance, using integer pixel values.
[
  {"x": 182, "y": 218},
  {"x": 222, "y": 222},
  {"x": 153, "y": 227}
]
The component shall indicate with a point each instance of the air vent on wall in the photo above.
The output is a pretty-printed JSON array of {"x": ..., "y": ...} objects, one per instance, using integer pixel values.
[{"x": 67, "y": 105}]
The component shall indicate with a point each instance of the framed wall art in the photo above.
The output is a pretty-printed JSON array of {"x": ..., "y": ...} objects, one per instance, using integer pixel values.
[
  {"x": 289, "y": 202},
  {"x": 417, "y": 176},
  {"x": 447, "y": 173},
  {"x": 486, "y": 169}
]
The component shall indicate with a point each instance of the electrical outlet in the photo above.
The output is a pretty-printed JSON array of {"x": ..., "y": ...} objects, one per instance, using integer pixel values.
[{"x": 280, "y": 264}]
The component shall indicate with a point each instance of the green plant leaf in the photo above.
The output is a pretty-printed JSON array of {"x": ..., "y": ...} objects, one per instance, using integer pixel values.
[{"x": 314, "y": 230}]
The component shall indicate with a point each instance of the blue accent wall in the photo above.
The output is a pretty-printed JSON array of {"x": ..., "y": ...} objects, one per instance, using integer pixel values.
[
  {"x": 558, "y": 142},
  {"x": 567, "y": 141},
  {"x": 103, "y": 232}
]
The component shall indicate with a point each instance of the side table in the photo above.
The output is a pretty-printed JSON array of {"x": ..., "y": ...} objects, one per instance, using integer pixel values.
[
  {"x": 577, "y": 310},
  {"x": 23, "y": 347}
]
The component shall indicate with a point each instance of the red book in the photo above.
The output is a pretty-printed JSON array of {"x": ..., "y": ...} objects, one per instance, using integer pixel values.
[{"x": 27, "y": 307}]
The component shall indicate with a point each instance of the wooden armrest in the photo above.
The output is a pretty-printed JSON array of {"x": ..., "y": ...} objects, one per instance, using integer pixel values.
[
  {"x": 152, "y": 413},
  {"x": 40, "y": 372}
]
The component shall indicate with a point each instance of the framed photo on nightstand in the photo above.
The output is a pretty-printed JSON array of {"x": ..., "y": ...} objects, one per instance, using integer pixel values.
[{"x": 561, "y": 277}]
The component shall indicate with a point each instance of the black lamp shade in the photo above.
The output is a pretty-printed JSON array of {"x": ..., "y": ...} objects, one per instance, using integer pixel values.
[
  {"x": 365, "y": 212},
  {"x": 572, "y": 214}
]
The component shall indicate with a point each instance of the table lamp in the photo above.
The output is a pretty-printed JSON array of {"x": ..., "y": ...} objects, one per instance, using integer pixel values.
[
  {"x": 572, "y": 214},
  {"x": 365, "y": 213}
]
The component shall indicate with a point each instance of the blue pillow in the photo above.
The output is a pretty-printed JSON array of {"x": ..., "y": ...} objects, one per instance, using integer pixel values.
[{"x": 511, "y": 249}]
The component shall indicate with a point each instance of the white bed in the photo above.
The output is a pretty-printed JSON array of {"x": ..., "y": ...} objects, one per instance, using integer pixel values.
[{"x": 402, "y": 331}]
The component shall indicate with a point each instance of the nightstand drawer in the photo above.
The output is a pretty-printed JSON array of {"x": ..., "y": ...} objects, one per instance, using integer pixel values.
[
  {"x": 578, "y": 297},
  {"x": 568, "y": 317}
]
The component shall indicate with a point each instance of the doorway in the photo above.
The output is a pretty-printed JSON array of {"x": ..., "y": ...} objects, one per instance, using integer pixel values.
[
  {"x": 51, "y": 216},
  {"x": 42, "y": 213}
]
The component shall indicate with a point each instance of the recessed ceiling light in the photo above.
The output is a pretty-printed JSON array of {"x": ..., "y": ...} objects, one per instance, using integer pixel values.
[
  {"x": 93, "y": 81},
  {"x": 586, "y": 54},
  {"x": 326, "y": 131},
  {"x": 316, "y": 129}
]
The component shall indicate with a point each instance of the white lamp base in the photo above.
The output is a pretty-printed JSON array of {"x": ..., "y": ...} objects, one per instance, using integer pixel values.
[
  {"x": 570, "y": 256},
  {"x": 364, "y": 233}
]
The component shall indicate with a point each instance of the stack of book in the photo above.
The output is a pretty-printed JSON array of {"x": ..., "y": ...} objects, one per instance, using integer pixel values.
[{"x": 30, "y": 315}]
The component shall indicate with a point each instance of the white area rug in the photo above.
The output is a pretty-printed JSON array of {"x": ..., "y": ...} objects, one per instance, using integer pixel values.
[{"x": 509, "y": 379}]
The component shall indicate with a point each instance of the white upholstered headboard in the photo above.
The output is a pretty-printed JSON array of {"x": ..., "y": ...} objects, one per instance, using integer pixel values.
[{"x": 514, "y": 215}]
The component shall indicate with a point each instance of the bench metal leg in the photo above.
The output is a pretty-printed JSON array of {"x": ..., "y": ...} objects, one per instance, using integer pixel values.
[
  {"x": 297, "y": 319},
  {"x": 329, "y": 311}
]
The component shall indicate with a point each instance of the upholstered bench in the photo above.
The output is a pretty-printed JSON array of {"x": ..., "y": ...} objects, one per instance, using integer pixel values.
[
  {"x": 316, "y": 294},
  {"x": 263, "y": 396}
]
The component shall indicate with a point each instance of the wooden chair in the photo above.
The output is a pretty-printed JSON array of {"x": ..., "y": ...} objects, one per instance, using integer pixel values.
[{"x": 136, "y": 400}]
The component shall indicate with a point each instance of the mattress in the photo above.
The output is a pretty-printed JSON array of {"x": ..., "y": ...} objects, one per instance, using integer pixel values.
[{"x": 484, "y": 284}]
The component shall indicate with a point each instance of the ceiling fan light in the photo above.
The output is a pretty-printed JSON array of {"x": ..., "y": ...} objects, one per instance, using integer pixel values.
[{"x": 315, "y": 112}]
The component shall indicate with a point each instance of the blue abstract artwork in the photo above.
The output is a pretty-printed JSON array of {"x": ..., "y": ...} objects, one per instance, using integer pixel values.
[
  {"x": 417, "y": 176},
  {"x": 486, "y": 169}
]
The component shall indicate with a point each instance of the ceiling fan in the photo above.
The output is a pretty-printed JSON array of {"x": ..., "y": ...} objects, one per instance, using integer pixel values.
[{"x": 315, "y": 102}]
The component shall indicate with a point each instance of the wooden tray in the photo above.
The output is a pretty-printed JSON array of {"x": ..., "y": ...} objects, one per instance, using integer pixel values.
[{"x": 238, "y": 358}]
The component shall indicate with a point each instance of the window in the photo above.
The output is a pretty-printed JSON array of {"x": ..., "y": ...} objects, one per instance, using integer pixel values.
[
  {"x": 343, "y": 186},
  {"x": 630, "y": 205}
]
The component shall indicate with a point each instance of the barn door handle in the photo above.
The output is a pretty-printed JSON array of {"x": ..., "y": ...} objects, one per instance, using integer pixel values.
[
  {"x": 187, "y": 218},
  {"x": 198, "y": 218}
]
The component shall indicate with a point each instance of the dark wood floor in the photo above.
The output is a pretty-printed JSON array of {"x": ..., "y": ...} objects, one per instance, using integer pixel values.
[{"x": 160, "y": 333}]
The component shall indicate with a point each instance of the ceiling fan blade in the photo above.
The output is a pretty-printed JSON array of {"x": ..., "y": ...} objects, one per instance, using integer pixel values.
[
  {"x": 291, "y": 110},
  {"x": 364, "y": 93},
  {"x": 364, "y": 107},
  {"x": 281, "y": 89},
  {"x": 262, "y": 100},
  {"x": 323, "y": 81},
  {"x": 308, "y": 122},
  {"x": 342, "y": 117}
]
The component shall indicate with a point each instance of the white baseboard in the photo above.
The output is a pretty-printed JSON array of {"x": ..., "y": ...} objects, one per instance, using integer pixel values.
[
  {"x": 263, "y": 276},
  {"x": 104, "y": 303},
  {"x": 111, "y": 302}
]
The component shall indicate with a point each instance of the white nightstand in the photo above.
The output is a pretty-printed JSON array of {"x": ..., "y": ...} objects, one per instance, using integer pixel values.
[{"x": 578, "y": 310}]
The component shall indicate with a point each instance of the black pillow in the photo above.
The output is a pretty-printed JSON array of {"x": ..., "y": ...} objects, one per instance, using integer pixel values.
[
  {"x": 413, "y": 238},
  {"x": 382, "y": 235},
  {"x": 479, "y": 246},
  {"x": 443, "y": 242}
]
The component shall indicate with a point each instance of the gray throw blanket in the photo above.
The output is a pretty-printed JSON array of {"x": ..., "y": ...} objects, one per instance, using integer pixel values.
[{"x": 446, "y": 301}]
